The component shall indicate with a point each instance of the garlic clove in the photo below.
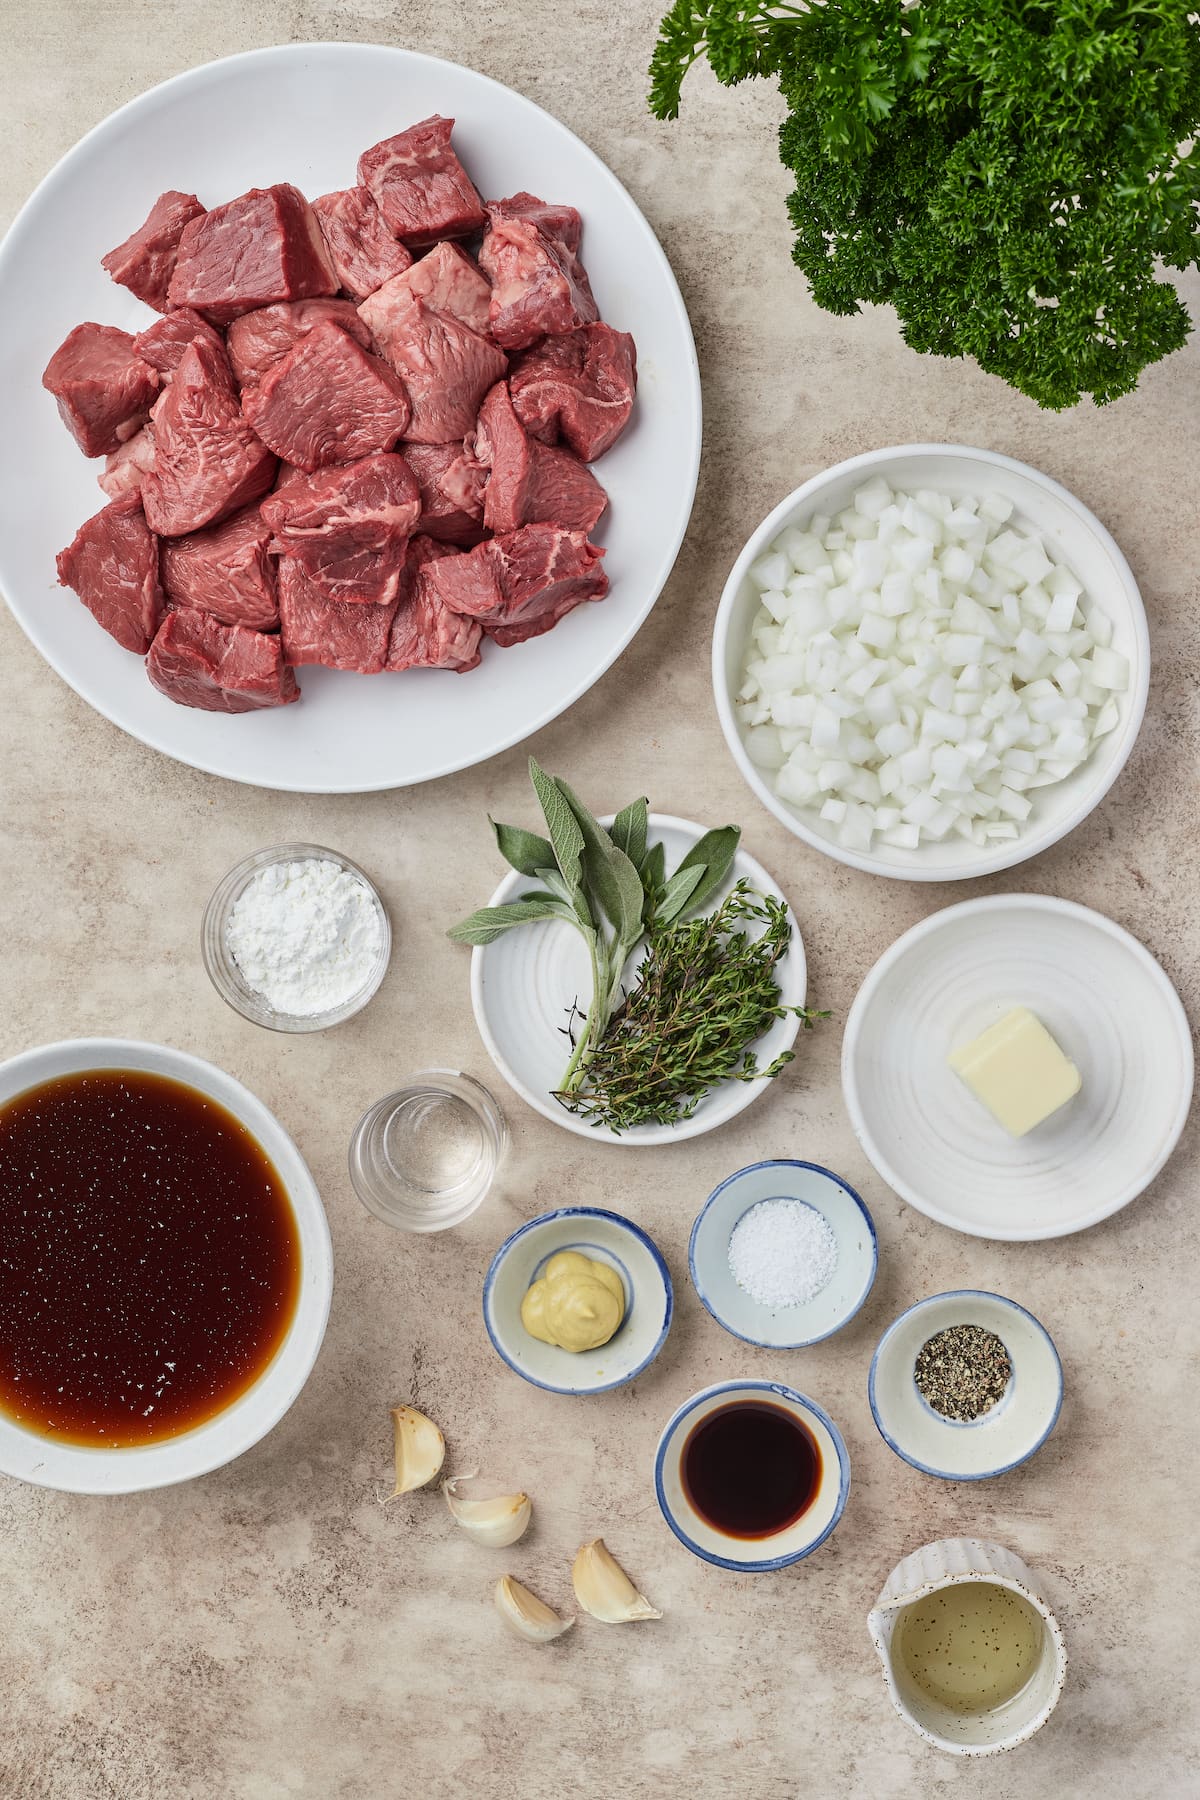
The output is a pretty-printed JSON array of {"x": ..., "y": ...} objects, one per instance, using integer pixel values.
[
  {"x": 525, "y": 1614},
  {"x": 496, "y": 1523},
  {"x": 420, "y": 1449},
  {"x": 603, "y": 1588}
]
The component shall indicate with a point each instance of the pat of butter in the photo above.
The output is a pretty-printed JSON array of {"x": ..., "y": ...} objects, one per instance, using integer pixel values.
[{"x": 1018, "y": 1071}]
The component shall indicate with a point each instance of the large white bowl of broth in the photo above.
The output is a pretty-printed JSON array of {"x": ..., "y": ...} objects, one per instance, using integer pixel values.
[{"x": 165, "y": 1267}]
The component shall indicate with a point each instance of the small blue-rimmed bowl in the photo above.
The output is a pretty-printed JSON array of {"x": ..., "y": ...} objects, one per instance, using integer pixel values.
[
  {"x": 1001, "y": 1438},
  {"x": 783, "y": 1327},
  {"x": 750, "y": 1555},
  {"x": 606, "y": 1237}
]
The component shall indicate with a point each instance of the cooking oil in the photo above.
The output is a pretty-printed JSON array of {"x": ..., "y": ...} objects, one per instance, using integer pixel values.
[{"x": 972, "y": 1646}]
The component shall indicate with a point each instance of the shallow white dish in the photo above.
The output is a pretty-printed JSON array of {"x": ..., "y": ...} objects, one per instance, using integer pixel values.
[
  {"x": 781, "y": 1548},
  {"x": 302, "y": 113},
  {"x": 79, "y": 1469},
  {"x": 605, "y": 1237},
  {"x": 1076, "y": 537},
  {"x": 783, "y": 1327},
  {"x": 1103, "y": 998},
  {"x": 522, "y": 986},
  {"x": 1000, "y": 1439}
]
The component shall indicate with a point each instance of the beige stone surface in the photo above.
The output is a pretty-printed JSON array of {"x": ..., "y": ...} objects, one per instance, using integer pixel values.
[{"x": 271, "y": 1631}]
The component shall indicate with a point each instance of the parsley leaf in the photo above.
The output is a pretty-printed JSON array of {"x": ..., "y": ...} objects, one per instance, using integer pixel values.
[{"x": 1007, "y": 174}]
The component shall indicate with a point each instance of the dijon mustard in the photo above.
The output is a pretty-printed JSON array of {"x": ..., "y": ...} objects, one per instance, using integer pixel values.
[{"x": 577, "y": 1304}]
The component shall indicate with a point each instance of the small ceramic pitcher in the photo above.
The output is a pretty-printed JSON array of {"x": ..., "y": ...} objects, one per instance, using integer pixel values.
[{"x": 985, "y": 1733}]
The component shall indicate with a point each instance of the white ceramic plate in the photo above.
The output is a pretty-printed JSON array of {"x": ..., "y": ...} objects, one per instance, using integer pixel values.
[
  {"x": 79, "y": 1469},
  {"x": 1103, "y": 998},
  {"x": 302, "y": 113},
  {"x": 524, "y": 982},
  {"x": 1074, "y": 535}
]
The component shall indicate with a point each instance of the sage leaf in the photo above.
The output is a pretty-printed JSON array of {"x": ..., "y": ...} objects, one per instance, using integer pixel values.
[
  {"x": 565, "y": 835},
  {"x": 628, "y": 830},
  {"x": 491, "y": 922},
  {"x": 715, "y": 852},
  {"x": 654, "y": 867},
  {"x": 677, "y": 893},
  {"x": 522, "y": 850},
  {"x": 610, "y": 875}
]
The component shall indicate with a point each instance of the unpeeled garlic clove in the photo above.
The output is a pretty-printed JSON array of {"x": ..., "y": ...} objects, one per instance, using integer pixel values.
[
  {"x": 420, "y": 1449},
  {"x": 497, "y": 1522},
  {"x": 525, "y": 1614},
  {"x": 603, "y": 1588}
]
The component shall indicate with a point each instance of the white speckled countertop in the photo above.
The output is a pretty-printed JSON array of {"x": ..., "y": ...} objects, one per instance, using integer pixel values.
[{"x": 271, "y": 1631}]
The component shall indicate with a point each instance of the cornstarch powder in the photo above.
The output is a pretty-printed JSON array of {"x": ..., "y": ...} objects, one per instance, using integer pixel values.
[
  {"x": 305, "y": 935},
  {"x": 782, "y": 1252}
]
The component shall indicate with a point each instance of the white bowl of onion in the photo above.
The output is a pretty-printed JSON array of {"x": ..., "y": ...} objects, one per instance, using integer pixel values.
[{"x": 931, "y": 662}]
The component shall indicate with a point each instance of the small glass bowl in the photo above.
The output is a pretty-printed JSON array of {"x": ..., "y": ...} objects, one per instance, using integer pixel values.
[
  {"x": 228, "y": 979},
  {"x": 423, "y": 1158}
]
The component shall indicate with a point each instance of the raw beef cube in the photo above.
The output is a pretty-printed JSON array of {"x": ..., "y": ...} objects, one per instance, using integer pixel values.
[
  {"x": 452, "y": 484},
  {"x": 349, "y": 527},
  {"x": 259, "y": 340},
  {"x": 266, "y": 245},
  {"x": 539, "y": 287},
  {"x": 446, "y": 280},
  {"x": 145, "y": 262},
  {"x": 125, "y": 466},
  {"x": 225, "y": 570},
  {"x": 197, "y": 661},
  {"x": 102, "y": 386},
  {"x": 446, "y": 367},
  {"x": 578, "y": 387},
  {"x": 207, "y": 460},
  {"x": 162, "y": 344},
  {"x": 425, "y": 633},
  {"x": 521, "y": 584},
  {"x": 561, "y": 222},
  {"x": 363, "y": 251},
  {"x": 529, "y": 482},
  {"x": 112, "y": 564},
  {"x": 328, "y": 401},
  {"x": 420, "y": 186},
  {"x": 336, "y": 633}
]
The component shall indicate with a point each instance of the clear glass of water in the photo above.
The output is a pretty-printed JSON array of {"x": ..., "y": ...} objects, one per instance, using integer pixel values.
[{"x": 423, "y": 1158}]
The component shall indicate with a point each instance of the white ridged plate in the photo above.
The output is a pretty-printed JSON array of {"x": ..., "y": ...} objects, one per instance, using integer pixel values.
[
  {"x": 1103, "y": 998},
  {"x": 302, "y": 113},
  {"x": 524, "y": 982}
]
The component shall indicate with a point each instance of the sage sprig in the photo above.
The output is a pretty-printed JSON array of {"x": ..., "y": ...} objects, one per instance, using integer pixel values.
[{"x": 610, "y": 885}]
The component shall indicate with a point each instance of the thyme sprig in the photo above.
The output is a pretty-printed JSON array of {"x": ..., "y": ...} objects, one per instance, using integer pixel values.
[{"x": 705, "y": 993}]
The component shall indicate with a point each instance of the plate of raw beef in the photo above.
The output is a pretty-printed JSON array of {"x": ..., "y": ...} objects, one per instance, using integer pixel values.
[{"x": 359, "y": 418}]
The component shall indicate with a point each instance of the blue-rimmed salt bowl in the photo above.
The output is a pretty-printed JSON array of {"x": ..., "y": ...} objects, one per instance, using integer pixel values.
[
  {"x": 605, "y": 1237},
  {"x": 783, "y": 1327},
  {"x": 1002, "y": 1438},
  {"x": 780, "y": 1548}
]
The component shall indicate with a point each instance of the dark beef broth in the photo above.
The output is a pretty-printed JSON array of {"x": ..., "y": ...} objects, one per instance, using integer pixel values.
[
  {"x": 149, "y": 1258},
  {"x": 751, "y": 1469}
]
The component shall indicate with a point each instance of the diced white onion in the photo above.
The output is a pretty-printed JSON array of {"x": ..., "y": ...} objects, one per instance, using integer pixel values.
[{"x": 920, "y": 666}]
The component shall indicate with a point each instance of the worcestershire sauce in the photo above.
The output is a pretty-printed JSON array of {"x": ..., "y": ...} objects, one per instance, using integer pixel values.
[
  {"x": 149, "y": 1258},
  {"x": 751, "y": 1469}
]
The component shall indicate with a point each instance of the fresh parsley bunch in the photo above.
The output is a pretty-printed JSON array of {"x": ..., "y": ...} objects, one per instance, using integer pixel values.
[{"x": 1007, "y": 174}]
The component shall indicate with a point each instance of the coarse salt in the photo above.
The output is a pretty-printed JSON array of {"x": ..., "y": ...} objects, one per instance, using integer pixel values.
[
  {"x": 782, "y": 1252},
  {"x": 306, "y": 935}
]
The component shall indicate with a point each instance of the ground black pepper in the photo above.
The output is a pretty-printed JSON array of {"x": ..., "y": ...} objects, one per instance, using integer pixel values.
[{"x": 962, "y": 1371}]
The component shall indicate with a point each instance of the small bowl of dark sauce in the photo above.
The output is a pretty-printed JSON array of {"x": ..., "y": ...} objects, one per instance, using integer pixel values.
[{"x": 751, "y": 1475}]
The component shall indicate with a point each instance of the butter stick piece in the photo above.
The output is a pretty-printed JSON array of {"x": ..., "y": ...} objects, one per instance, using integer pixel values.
[{"x": 1018, "y": 1071}]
